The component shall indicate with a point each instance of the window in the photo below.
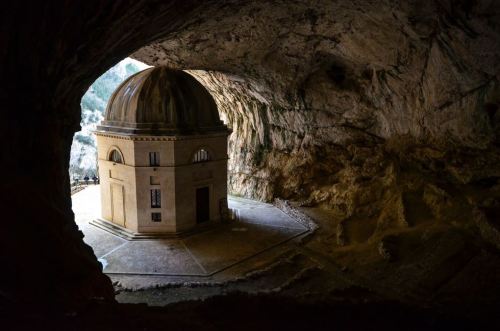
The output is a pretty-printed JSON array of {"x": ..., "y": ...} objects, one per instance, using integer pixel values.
[
  {"x": 154, "y": 159},
  {"x": 155, "y": 198},
  {"x": 201, "y": 156},
  {"x": 156, "y": 217},
  {"x": 115, "y": 156}
]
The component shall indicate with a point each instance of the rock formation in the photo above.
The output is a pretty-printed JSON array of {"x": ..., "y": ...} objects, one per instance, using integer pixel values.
[
  {"x": 300, "y": 82},
  {"x": 384, "y": 113}
]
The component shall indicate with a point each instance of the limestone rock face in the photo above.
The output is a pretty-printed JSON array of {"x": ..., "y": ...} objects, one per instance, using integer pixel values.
[{"x": 299, "y": 81}]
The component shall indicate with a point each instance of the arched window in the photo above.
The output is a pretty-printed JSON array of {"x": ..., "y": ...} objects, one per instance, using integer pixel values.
[
  {"x": 115, "y": 156},
  {"x": 201, "y": 156}
]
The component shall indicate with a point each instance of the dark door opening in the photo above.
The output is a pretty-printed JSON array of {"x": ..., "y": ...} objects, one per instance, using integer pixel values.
[{"x": 202, "y": 204}]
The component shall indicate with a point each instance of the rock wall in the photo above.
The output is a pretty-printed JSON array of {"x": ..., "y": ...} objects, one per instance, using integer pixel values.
[
  {"x": 51, "y": 53},
  {"x": 302, "y": 83}
]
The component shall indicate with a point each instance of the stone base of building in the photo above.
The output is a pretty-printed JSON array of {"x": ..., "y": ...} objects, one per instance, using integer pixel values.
[{"x": 130, "y": 235}]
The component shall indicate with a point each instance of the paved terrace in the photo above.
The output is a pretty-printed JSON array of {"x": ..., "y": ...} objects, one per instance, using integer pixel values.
[{"x": 259, "y": 230}]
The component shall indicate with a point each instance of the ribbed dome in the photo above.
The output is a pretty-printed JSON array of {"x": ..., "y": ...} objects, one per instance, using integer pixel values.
[{"x": 161, "y": 101}]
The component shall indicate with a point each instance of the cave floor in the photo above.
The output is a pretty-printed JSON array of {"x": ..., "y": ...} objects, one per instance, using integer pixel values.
[
  {"x": 437, "y": 266},
  {"x": 225, "y": 252}
]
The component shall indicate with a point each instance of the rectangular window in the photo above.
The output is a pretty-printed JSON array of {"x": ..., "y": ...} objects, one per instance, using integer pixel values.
[
  {"x": 156, "y": 217},
  {"x": 155, "y": 198},
  {"x": 154, "y": 159}
]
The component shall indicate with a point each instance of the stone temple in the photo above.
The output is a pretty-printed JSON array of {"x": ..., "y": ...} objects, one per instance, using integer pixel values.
[{"x": 162, "y": 155}]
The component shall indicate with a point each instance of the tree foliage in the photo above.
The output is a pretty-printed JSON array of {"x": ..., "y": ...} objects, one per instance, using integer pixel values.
[{"x": 83, "y": 157}]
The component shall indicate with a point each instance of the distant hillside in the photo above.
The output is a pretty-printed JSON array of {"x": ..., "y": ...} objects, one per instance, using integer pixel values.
[{"x": 83, "y": 151}]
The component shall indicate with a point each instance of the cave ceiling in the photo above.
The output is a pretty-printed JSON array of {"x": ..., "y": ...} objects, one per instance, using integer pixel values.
[{"x": 296, "y": 76}]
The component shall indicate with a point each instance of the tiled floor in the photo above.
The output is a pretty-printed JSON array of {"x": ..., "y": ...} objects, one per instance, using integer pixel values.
[{"x": 259, "y": 227}]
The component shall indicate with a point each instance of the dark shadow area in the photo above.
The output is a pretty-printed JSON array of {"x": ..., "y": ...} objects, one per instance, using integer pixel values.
[{"x": 243, "y": 312}]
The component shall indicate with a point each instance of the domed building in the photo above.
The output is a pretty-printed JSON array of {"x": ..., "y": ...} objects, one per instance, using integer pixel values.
[{"x": 162, "y": 155}]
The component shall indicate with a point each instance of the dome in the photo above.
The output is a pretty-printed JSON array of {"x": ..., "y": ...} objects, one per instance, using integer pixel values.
[{"x": 161, "y": 101}]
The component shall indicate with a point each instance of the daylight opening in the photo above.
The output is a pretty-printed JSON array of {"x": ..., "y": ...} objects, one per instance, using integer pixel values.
[
  {"x": 115, "y": 156},
  {"x": 201, "y": 156},
  {"x": 156, "y": 152},
  {"x": 83, "y": 159}
]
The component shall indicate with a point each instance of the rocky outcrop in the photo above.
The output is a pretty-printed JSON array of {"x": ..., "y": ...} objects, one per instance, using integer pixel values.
[
  {"x": 299, "y": 83},
  {"x": 385, "y": 114}
]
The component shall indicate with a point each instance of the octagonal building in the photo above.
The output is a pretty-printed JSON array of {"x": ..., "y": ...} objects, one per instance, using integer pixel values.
[{"x": 162, "y": 155}]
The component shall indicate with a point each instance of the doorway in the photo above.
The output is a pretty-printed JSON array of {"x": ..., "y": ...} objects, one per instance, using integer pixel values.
[
  {"x": 202, "y": 204},
  {"x": 117, "y": 205}
]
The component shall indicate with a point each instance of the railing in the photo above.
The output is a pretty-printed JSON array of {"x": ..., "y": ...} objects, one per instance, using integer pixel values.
[{"x": 77, "y": 186}]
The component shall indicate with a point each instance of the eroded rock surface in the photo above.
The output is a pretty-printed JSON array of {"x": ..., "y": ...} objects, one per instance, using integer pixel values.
[
  {"x": 301, "y": 82},
  {"x": 384, "y": 114}
]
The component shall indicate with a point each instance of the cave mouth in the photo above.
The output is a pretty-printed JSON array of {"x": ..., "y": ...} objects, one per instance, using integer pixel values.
[
  {"x": 251, "y": 233},
  {"x": 83, "y": 154},
  {"x": 387, "y": 137}
]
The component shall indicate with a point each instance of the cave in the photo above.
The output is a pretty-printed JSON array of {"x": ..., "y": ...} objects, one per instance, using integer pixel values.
[{"x": 377, "y": 121}]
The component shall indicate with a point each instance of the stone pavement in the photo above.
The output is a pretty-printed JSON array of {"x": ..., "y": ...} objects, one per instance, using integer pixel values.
[{"x": 259, "y": 229}]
